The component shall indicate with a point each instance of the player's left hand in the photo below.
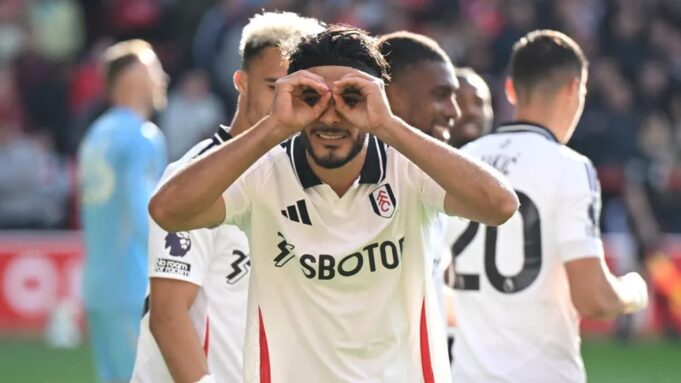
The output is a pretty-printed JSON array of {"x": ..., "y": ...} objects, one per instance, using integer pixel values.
[{"x": 361, "y": 99}]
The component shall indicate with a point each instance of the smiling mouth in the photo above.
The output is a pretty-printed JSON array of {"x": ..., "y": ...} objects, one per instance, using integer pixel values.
[{"x": 330, "y": 134}]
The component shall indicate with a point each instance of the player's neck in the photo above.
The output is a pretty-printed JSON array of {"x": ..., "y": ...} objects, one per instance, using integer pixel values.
[
  {"x": 544, "y": 116},
  {"x": 339, "y": 179},
  {"x": 137, "y": 106},
  {"x": 239, "y": 123}
]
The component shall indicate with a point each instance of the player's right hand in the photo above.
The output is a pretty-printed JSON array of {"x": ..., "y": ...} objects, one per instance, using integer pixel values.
[
  {"x": 299, "y": 99},
  {"x": 636, "y": 290}
]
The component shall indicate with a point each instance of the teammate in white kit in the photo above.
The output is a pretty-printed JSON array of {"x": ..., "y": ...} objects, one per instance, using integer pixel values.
[
  {"x": 522, "y": 287},
  {"x": 422, "y": 92},
  {"x": 199, "y": 278},
  {"x": 338, "y": 221}
]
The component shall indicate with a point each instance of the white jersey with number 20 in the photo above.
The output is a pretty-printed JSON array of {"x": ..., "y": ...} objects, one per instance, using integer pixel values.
[{"x": 516, "y": 320}]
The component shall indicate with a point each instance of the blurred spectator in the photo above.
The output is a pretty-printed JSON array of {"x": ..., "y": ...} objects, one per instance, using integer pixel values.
[
  {"x": 87, "y": 100},
  {"x": 43, "y": 87},
  {"x": 654, "y": 182},
  {"x": 34, "y": 182},
  {"x": 58, "y": 27},
  {"x": 135, "y": 14},
  {"x": 193, "y": 113},
  {"x": 11, "y": 110},
  {"x": 216, "y": 44},
  {"x": 653, "y": 196},
  {"x": 12, "y": 29}
]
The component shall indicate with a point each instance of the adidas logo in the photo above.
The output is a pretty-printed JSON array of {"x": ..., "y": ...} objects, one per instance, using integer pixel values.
[{"x": 297, "y": 213}]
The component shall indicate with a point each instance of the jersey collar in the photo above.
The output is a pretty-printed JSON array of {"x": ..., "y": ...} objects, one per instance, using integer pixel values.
[
  {"x": 373, "y": 170},
  {"x": 220, "y": 137},
  {"x": 525, "y": 126}
]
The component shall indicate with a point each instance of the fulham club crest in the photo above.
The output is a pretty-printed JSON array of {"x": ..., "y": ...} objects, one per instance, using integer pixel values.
[{"x": 383, "y": 201}]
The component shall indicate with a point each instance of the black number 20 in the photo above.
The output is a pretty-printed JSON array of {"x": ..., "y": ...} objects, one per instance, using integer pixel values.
[{"x": 532, "y": 250}]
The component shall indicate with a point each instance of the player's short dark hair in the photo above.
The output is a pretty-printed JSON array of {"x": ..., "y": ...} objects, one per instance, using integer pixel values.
[
  {"x": 545, "y": 57},
  {"x": 120, "y": 57},
  {"x": 403, "y": 49},
  {"x": 338, "y": 45}
]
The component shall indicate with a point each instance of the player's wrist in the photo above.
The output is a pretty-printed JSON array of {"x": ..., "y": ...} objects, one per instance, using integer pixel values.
[
  {"x": 388, "y": 130},
  {"x": 634, "y": 292},
  {"x": 276, "y": 130}
]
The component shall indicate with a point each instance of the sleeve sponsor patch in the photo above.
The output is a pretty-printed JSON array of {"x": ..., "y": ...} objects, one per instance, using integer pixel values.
[{"x": 170, "y": 266}]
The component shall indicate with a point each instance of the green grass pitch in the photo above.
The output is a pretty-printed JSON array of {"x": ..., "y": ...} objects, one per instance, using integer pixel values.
[{"x": 30, "y": 361}]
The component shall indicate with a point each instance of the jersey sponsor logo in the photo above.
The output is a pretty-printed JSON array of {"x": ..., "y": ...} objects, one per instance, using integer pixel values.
[
  {"x": 325, "y": 267},
  {"x": 240, "y": 267},
  {"x": 297, "y": 213},
  {"x": 170, "y": 266},
  {"x": 285, "y": 252},
  {"x": 178, "y": 244},
  {"x": 383, "y": 201}
]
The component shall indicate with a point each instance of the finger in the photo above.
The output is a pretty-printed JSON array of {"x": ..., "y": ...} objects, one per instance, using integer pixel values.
[
  {"x": 309, "y": 75},
  {"x": 290, "y": 84},
  {"x": 322, "y": 104},
  {"x": 339, "y": 102},
  {"x": 341, "y": 106},
  {"x": 361, "y": 84}
]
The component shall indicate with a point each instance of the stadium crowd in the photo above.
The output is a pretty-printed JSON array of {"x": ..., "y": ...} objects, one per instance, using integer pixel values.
[{"x": 50, "y": 89}]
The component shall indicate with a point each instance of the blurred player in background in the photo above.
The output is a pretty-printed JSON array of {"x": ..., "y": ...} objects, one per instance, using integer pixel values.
[
  {"x": 120, "y": 162},
  {"x": 423, "y": 83},
  {"x": 522, "y": 287},
  {"x": 199, "y": 278},
  {"x": 422, "y": 92},
  {"x": 337, "y": 220},
  {"x": 475, "y": 103}
]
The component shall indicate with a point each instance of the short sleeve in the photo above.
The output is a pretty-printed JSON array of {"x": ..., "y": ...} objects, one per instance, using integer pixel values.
[
  {"x": 182, "y": 256},
  {"x": 241, "y": 196},
  {"x": 578, "y": 213},
  {"x": 431, "y": 194},
  {"x": 238, "y": 202}
]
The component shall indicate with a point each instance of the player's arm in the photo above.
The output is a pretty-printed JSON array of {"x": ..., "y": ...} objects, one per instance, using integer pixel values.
[
  {"x": 595, "y": 291},
  {"x": 598, "y": 294},
  {"x": 193, "y": 197},
  {"x": 169, "y": 322},
  {"x": 473, "y": 190}
]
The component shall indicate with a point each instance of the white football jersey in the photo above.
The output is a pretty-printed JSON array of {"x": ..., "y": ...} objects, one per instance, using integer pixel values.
[
  {"x": 516, "y": 320},
  {"x": 341, "y": 288},
  {"x": 216, "y": 260}
]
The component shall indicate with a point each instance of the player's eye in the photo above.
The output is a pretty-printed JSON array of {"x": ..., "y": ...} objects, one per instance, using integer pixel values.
[
  {"x": 310, "y": 96},
  {"x": 444, "y": 94},
  {"x": 351, "y": 96}
]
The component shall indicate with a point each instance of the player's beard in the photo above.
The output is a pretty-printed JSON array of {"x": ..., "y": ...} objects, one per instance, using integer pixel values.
[{"x": 332, "y": 160}]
